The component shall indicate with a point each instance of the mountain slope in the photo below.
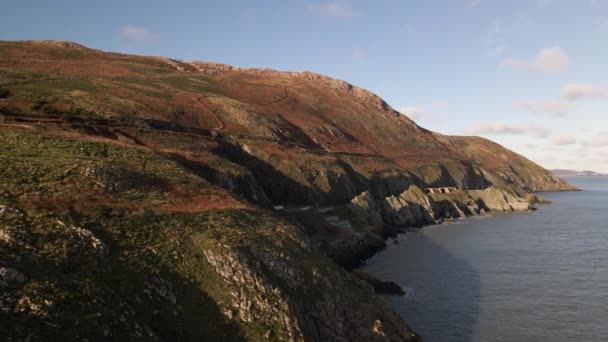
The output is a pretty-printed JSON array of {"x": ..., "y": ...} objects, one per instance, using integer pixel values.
[{"x": 134, "y": 182}]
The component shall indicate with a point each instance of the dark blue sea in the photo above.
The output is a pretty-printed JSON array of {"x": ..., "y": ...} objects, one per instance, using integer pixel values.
[{"x": 540, "y": 276}]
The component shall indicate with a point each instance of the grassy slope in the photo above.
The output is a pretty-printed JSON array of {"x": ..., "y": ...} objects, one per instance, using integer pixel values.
[{"x": 323, "y": 116}]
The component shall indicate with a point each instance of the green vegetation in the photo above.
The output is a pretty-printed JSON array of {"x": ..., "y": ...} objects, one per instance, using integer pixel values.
[{"x": 198, "y": 84}]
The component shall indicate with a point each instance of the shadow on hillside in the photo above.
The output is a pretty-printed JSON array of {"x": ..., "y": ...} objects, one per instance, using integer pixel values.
[
  {"x": 443, "y": 302},
  {"x": 129, "y": 292},
  {"x": 174, "y": 307},
  {"x": 280, "y": 188}
]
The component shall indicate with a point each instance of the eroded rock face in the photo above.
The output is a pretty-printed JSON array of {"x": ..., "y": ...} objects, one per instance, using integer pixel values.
[
  {"x": 366, "y": 207},
  {"x": 254, "y": 299},
  {"x": 261, "y": 284},
  {"x": 413, "y": 207},
  {"x": 500, "y": 200}
]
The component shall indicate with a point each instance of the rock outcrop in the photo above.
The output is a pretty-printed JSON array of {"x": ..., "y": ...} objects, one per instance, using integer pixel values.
[
  {"x": 258, "y": 298},
  {"x": 414, "y": 207}
]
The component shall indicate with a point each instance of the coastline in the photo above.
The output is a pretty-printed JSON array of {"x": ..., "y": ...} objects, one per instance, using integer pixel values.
[
  {"x": 358, "y": 260},
  {"x": 487, "y": 269}
]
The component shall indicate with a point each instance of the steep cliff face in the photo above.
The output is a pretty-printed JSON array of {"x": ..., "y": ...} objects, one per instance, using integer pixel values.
[
  {"x": 136, "y": 195},
  {"x": 414, "y": 207},
  {"x": 91, "y": 250}
]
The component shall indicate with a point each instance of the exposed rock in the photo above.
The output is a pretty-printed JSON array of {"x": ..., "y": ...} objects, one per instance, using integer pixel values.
[
  {"x": 86, "y": 238},
  {"x": 380, "y": 286},
  {"x": 414, "y": 207},
  {"x": 9, "y": 276},
  {"x": 253, "y": 297},
  {"x": 60, "y": 44},
  {"x": 259, "y": 299},
  {"x": 14, "y": 238},
  {"x": 33, "y": 307},
  {"x": 496, "y": 199},
  {"x": 177, "y": 65},
  {"x": 158, "y": 287},
  {"x": 364, "y": 205}
]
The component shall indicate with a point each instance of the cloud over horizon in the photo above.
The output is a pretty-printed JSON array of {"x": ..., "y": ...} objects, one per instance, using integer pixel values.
[
  {"x": 499, "y": 128},
  {"x": 552, "y": 107},
  {"x": 548, "y": 60},
  {"x": 562, "y": 140},
  {"x": 427, "y": 113},
  {"x": 414, "y": 113},
  {"x": 574, "y": 92},
  {"x": 600, "y": 139}
]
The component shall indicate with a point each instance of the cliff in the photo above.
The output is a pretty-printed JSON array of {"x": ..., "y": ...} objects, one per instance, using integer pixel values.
[{"x": 137, "y": 198}]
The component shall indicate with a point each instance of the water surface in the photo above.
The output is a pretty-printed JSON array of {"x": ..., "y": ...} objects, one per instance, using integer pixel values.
[{"x": 539, "y": 276}]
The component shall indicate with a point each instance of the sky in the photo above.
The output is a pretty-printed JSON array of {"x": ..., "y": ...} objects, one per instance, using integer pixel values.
[{"x": 529, "y": 74}]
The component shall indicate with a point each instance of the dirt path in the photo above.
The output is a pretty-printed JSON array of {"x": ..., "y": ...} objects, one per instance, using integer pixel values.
[{"x": 220, "y": 124}]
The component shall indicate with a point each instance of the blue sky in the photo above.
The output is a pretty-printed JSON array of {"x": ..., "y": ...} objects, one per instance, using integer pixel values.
[{"x": 529, "y": 74}]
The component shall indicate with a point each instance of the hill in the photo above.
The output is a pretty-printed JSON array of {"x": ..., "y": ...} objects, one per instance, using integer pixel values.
[
  {"x": 574, "y": 173},
  {"x": 138, "y": 192}
]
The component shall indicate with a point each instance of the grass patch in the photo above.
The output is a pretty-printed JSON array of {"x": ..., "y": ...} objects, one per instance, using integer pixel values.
[
  {"x": 45, "y": 88},
  {"x": 197, "y": 84}
]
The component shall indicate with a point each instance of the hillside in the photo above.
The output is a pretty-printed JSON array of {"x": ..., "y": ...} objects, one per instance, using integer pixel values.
[{"x": 137, "y": 196}]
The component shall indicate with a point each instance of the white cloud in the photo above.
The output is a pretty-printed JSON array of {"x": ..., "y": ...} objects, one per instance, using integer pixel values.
[
  {"x": 574, "y": 92},
  {"x": 335, "y": 8},
  {"x": 414, "y": 113},
  {"x": 136, "y": 34},
  {"x": 562, "y": 140},
  {"x": 547, "y": 60},
  {"x": 426, "y": 113},
  {"x": 495, "y": 128},
  {"x": 498, "y": 128},
  {"x": 555, "y": 108},
  {"x": 600, "y": 140}
]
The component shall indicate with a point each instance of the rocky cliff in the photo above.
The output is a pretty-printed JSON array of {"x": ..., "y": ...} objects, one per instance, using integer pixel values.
[{"x": 150, "y": 198}]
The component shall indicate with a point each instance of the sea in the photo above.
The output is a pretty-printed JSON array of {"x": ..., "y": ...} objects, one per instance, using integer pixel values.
[{"x": 538, "y": 276}]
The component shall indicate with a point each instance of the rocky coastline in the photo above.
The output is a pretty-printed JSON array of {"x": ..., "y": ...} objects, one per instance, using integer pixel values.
[{"x": 145, "y": 198}]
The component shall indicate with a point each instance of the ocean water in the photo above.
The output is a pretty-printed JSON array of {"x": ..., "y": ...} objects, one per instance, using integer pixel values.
[{"x": 540, "y": 276}]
